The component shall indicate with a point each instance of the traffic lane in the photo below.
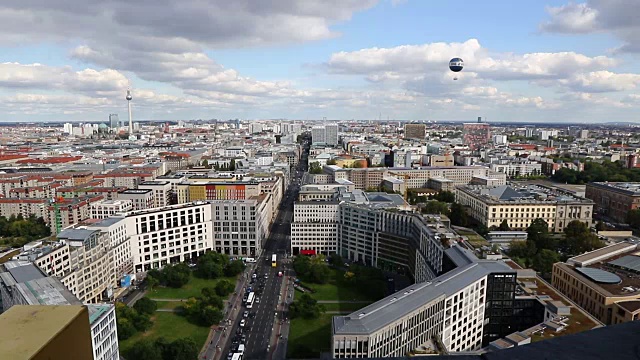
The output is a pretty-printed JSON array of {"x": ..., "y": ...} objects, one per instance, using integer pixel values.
[{"x": 260, "y": 334}]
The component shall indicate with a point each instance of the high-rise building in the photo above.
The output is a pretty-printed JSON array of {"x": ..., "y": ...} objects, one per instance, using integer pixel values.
[
  {"x": 331, "y": 134},
  {"x": 114, "y": 121},
  {"x": 476, "y": 135},
  {"x": 318, "y": 135},
  {"x": 415, "y": 131}
]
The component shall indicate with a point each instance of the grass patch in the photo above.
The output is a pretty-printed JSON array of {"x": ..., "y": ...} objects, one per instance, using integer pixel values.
[
  {"x": 192, "y": 289},
  {"x": 169, "y": 304},
  {"x": 308, "y": 338},
  {"x": 171, "y": 326},
  {"x": 339, "y": 289},
  {"x": 344, "y": 306}
]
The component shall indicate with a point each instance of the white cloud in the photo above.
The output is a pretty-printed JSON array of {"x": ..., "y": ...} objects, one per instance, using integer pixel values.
[
  {"x": 619, "y": 17},
  {"x": 571, "y": 18}
]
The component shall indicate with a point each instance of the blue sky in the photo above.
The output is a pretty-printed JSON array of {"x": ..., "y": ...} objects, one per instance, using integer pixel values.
[{"x": 524, "y": 60}]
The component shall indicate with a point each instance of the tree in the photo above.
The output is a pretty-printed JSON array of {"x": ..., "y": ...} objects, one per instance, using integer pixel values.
[
  {"x": 320, "y": 273},
  {"x": 600, "y": 226},
  {"x": 145, "y": 350},
  {"x": 305, "y": 307},
  {"x": 579, "y": 239},
  {"x": 232, "y": 165},
  {"x": 543, "y": 261},
  {"x": 504, "y": 226},
  {"x": 145, "y": 306},
  {"x": 152, "y": 282},
  {"x": 234, "y": 268},
  {"x": 210, "y": 315},
  {"x": 315, "y": 168},
  {"x": 538, "y": 233},
  {"x": 435, "y": 207},
  {"x": 176, "y": 276},
  {"x": 205, "y": 163},
  {"x": 349, "y": 276},
  {"x": 445, "y": 196},
  {"x": 180, "y": 349},
  {"x": 301, "y": 265},
  {"x": 336, "y": 260},
  {"x": 209, "y": 270},
  {"x": 224, "y": 288},
  {"x": 125, "y": 328},
  {"x": 331, "y": 162},
  {"x": 633, "y": 218},
  {"x": 458, "y": 215}
]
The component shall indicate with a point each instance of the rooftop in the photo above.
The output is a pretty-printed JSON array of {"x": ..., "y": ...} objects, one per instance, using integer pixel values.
[
  {"x": 25, "y": 330},
  {"x": 626, "y": 187},
  {"x": 25, "y": 273},
  {"x": 398, "y": 305},
  {"x": 527, "y": 194}
]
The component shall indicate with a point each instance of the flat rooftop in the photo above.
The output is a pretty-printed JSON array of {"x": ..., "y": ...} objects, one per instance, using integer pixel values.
[
  {"x": 629, "y": 188},
  {"x": 388, "y": 310},
  {"x": 26, "y": 329},
  {"x": 136, "y": 191},
  {"x": 528, "y": 194}
]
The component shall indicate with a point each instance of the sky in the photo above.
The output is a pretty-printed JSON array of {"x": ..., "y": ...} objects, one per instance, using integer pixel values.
[{"x": 525, "y": 60}]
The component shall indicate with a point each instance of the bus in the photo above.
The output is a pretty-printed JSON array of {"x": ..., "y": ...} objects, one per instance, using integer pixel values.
[
  {"x": 273, "y": 260},
  {"x": 250, "y": 299}
]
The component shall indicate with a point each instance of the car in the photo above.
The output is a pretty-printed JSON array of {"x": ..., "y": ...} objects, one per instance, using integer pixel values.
[
  {"x": 266, "y": 276},
  {"x": 254, "y": 276},
  {"x": 245, "y": 314},
  {"x": 243, "y": 322}
]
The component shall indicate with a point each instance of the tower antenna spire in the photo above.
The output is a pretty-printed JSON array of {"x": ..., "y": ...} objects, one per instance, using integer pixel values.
[{"x": 129, "y": 98}]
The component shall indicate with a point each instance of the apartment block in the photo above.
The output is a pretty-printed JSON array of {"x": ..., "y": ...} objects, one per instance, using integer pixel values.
[
  {"x": 415, "y": 131},
  {"x": 613, "y": 199},
  {"x": 195, "y": 190},
  {"x": 24, "y": 207},
  {"x": 161, "y": 191},
  {"x": 522, "y": 205},
  {"x": 119, "y": 243},
  {"x": 141, "y": 199},
  {"x": 68, "y": 212},
  {"x": 106, "y": 208},
  {"x": 84, "y": 262}
]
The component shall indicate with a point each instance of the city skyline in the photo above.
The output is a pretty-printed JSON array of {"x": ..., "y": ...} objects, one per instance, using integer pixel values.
[{"x": 556, "y": 61}]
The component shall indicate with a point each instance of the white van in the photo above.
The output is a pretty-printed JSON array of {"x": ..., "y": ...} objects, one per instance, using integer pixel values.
[{"x": 240, "y": 349}]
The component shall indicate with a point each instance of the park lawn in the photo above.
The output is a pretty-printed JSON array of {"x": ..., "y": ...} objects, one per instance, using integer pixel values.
[
  {"x": 171, "y": 326},
  {"x": 192, "y": 289},
  {"x": 169, "y": 304},
  {"x": 308, "y": 338},
  {"x": 343, "y": 307},
  {"x": 338, "y": 289}
]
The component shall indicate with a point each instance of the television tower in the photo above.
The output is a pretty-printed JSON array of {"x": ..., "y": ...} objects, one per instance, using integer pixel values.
[{"x": 129, "y": 98}]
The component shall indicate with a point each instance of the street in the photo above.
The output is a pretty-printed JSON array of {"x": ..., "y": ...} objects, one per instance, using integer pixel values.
[{"x": 263, "y": 325}]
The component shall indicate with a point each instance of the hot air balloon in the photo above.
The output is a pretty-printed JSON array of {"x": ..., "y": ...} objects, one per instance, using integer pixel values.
[{"x": 456, "y": 65}]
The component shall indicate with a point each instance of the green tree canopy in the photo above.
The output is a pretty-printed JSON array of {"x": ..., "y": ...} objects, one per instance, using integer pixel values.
[{"x": 145, "y": 306}]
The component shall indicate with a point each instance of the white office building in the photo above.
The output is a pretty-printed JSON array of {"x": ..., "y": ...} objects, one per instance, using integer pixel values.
[
  {"x": 169, "y": 235},
  {"x": 314, "y": 229},
  {"x": 105, "y": 208},
  {"x": 463, "y": 308},
  {"x": 240, "y": 227},
  {"x": 104, "y": 331}
]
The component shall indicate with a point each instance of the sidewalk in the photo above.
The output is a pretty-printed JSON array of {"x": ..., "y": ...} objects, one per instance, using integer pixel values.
[
  {"x": 217, "y": 334},
  {"x": 282, "y": 327}
]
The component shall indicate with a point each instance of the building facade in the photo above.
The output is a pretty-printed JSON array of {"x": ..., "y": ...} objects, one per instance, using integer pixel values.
[
  {"x": 521, "y": 206},
  {"x": 415, "y": 131},
  {"x": 614, "y": 200},
  {"x": 169, "y": 235}
]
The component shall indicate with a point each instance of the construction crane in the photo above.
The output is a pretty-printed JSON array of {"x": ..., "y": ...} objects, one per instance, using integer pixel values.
[{"x": 57, "y": 215}]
